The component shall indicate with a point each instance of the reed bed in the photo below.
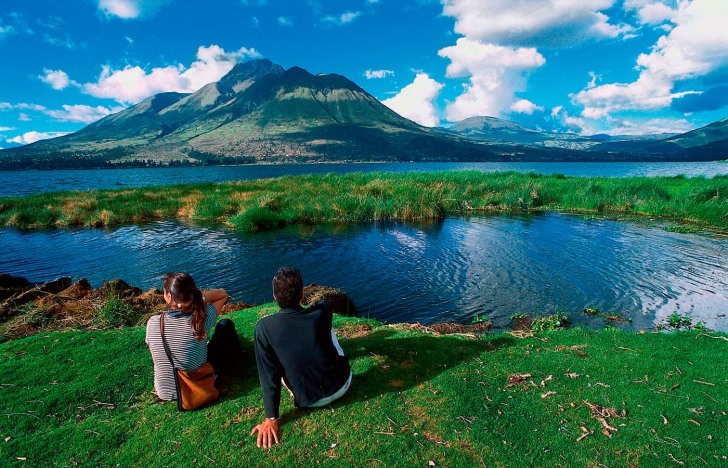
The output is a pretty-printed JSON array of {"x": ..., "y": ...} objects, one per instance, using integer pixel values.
[{"x": 264, "y": 204}]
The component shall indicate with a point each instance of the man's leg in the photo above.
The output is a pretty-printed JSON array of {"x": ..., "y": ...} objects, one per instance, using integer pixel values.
[{"x": 327, "y": 400}]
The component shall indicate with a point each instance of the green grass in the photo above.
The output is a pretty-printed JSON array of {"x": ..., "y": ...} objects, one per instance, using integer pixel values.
[
  {"x": 690, "y": 203},
  {"x": 84, "y": 398}
]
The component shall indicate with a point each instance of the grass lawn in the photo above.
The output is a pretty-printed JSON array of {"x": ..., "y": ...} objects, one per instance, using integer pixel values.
[{"x": 561, "y": 398}]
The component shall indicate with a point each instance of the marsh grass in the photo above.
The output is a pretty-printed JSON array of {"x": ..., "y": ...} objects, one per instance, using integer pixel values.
[
  {"x": 362, "y": 197},
  {"x": 567, "y": 397}
]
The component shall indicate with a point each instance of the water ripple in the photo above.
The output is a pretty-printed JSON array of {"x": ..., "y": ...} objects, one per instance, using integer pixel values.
[{"x": 450, "y": 270}]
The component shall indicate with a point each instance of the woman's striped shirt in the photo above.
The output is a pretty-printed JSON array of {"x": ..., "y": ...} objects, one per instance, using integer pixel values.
[{"x": 187, "y": 352}]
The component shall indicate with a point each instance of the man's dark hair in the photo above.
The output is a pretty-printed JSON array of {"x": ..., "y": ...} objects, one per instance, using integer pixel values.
[{"x": 287, "y": 287}]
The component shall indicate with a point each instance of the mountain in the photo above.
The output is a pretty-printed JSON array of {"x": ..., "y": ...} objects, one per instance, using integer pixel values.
[
  {"x": 258, "y": 112},
  {"x": 494, "y": 130},
  {"x": 262, "y": 113}
]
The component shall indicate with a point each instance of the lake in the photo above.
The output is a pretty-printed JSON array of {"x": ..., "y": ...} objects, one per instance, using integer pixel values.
[
  {"x": 449, "y": 270},
  {"x": 13, "y": 183}
]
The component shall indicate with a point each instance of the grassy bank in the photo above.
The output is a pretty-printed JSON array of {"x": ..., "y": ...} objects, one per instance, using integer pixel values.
[
  {"x": 565, "y": 398},
  {"x": 332, "y": 198}
]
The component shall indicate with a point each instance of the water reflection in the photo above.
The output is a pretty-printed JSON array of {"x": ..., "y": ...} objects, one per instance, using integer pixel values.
[{"x": 448, "y": 270}]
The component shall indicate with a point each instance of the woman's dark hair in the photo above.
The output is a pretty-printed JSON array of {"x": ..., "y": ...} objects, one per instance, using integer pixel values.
[
  {"x": 188, "y": 299},
  {"x": 287, "y": 287}
]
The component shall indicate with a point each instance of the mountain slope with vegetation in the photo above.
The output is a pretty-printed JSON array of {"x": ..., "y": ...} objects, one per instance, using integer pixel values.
[
  {"x": 262, "y": 113},
  {"x": 258, "y": 112}
]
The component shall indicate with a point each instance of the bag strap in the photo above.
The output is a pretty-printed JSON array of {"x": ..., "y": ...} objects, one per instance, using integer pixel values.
[
  {"x": 164, "y": 342},
  {"x": 174, "y": 369}
]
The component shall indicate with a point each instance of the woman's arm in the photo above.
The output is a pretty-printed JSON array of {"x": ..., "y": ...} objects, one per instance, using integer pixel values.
[{"x": 216, "y": 297}]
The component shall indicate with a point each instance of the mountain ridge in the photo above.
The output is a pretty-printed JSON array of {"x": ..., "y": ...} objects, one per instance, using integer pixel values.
[{"x": 261, "y": 113}]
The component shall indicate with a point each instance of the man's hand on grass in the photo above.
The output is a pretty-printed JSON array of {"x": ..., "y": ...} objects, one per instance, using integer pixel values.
[{"x": 269, "y": 433}]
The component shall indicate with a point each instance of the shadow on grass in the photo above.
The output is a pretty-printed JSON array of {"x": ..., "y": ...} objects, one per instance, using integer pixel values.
[{"x": 384, "y": 365}]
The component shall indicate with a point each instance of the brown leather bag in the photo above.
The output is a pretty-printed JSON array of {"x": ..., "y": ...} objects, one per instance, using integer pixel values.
[{"x": 195, "y": 388}]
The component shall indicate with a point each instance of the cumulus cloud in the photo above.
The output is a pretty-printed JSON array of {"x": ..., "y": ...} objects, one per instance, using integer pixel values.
[
  {"x": 500, "y": 47},
  {"x": 6, "y": 129},
  {"x": 81, "y": 113},
  {"x": 377, "y": 74},
  {"x": 130, "y": 9},
  {"x": 133, "y": 84},
  {"x": 524, "y": 106},
  {"x": 58, "y": 79},
  {"x": 495, "y": 74},
  {"x": 285, "y": 21},
  {"x": 650, "y": 12},
  {"x": 415, "y": 101},
  {"x": 533, "y": 22},
  {"x": 344, "y": 18},
  {"x": 32, "y": 137},
  {"x": 695, "y": 47}
]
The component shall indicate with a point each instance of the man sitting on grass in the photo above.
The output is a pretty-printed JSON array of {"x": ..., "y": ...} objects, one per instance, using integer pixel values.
[{"x": 297, "y": 347}]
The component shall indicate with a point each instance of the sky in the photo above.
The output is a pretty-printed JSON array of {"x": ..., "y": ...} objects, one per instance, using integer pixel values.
[{"x": 620, "y": 67}]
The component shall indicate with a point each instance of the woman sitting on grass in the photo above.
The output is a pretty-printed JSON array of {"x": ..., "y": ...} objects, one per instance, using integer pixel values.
[{"x": 191, "y": 315}]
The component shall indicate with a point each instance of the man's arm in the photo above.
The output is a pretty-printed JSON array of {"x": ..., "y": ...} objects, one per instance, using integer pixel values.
[{"x": 269, "y": 374}]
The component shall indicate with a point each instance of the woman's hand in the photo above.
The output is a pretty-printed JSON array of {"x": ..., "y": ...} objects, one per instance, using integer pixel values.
[
  {"x": 269, "y": 433},
  {"x": 217, "y": 297}
]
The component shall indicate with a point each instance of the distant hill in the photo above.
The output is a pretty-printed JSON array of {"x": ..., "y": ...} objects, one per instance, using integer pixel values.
[
  {"x": 707, "y": 143},
  {"x": 262, "y": 113},
  {"x": 500, "y": 131}
]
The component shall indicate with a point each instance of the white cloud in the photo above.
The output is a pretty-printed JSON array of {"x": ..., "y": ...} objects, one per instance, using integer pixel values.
[
  {"x": 415, "y": 101},
  {"x": 81, "y": 113},
  {"x": 377, "y": 74},
  {"x": 133, "y": 84},
  {"x": 495, "y": 74},
  {"x": 533, "y": 22},
  {"x": 68, "y": 113},
  {"x": 344, "y": 18},
  {"x": 284, "y": 21},
  {"x": 27, "y": 106},
  {"x": 650, "y": 11},
  {"x": 32, "y": 137},
  {"x": 58, "y": 79},
  {"x": 6, "y": 129},
  {"x": 23, "y": 117},
  {"x": 125, "y": 9},
  {"x": 695, "y": 47},
  {"x": 524, "y": 106},
  {"x": 130, "y": 9}
]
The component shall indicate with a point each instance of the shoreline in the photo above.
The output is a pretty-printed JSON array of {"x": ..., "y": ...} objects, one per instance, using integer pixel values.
[{"x": 28, "y": 308}]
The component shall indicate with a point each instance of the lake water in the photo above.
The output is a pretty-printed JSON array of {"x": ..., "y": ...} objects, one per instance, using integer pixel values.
[
  {"x": 449, "y": 270},
  {"x": 27, "y": 182}
]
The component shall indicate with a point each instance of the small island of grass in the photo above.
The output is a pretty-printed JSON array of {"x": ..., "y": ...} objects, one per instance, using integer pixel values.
[{"x": 690, "y": 203}]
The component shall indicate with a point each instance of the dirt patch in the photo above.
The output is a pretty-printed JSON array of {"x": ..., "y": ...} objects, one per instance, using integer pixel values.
[{"x": 447, "y": 328}]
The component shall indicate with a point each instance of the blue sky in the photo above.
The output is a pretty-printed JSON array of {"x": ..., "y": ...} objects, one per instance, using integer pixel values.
[{"x": 583, "y": 66}]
